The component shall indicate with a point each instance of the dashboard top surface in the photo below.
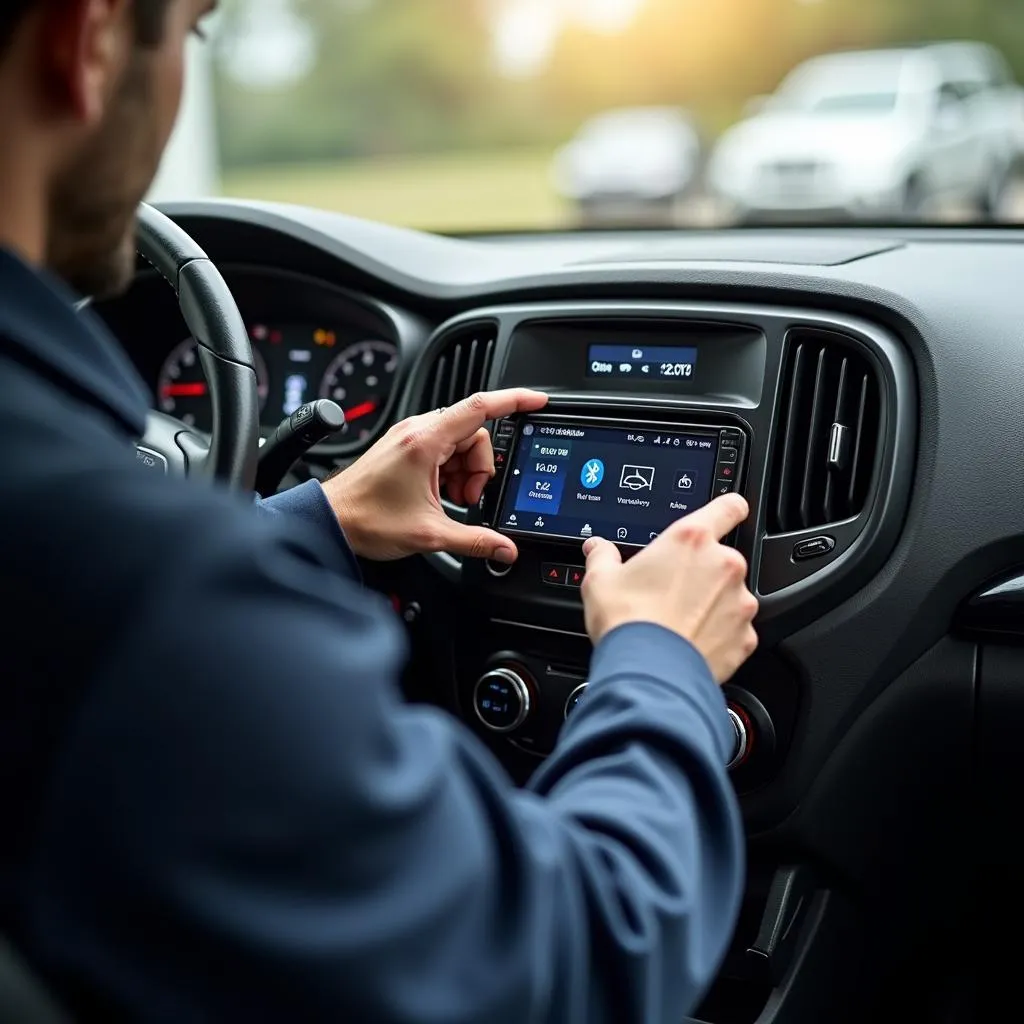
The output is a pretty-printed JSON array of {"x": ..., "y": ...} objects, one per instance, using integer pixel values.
[{"x": 953, "y": 300}]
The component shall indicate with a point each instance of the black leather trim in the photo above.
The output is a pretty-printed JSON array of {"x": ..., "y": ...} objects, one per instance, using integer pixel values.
[
  {"x": 211, "y": 314},
  {"x": 234, "y": 448},
  {"x": 163, "y": 244}
]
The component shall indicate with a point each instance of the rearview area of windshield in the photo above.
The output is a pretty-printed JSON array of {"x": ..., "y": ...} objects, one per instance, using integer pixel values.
[{"x": 486, "y": 116}]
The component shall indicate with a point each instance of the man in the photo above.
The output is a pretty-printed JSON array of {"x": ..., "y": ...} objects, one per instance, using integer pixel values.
[{"x": 216, "y": 806}]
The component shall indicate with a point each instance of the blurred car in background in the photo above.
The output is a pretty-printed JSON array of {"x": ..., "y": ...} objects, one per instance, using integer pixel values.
[
  {"x": 628, "y": 162},
  {"x": 876, "y": 135},
  {"x": 1018, "y": 121}
]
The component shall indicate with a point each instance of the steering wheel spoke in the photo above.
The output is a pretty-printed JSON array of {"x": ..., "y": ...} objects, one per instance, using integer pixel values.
[{"x": 172, "y": 448}]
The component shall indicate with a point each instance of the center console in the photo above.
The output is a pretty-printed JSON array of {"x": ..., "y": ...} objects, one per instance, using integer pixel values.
[{"x": 654, "y": 409}]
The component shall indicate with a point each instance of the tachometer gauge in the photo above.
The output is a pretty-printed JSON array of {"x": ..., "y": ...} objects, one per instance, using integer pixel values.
[
  {"x": 359, "y": 379},
  {"x": 182, "y": 390}
]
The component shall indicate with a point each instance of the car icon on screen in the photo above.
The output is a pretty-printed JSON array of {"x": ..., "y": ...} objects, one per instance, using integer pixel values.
[{"x": 637, "y": 478}]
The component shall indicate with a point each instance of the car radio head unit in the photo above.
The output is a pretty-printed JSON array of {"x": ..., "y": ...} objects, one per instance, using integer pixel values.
[{"x": 572, "y": 478}]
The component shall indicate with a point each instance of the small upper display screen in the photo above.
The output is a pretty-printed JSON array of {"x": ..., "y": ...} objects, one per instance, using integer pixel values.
[{"x": 646, "y": 362}]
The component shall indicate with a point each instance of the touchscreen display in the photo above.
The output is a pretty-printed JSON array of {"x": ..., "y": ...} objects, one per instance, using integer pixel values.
[{"x": 579, "y": 481}]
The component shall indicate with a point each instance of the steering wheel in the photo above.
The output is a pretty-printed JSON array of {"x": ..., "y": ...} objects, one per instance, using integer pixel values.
[{"x": 230, "y": 453}]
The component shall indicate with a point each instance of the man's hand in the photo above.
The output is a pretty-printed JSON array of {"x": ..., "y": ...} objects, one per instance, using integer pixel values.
[
  {"x": 389, "y": 501},
  {"x": 686, "y": 581}
]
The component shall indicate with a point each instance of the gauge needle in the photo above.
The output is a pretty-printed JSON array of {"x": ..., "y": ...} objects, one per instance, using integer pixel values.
[
  {"x": 359, "y": 411},
  {"x": 196, "y": 390}
]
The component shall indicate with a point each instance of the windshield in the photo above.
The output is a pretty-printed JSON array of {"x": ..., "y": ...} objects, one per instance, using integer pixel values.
[{"x": 478, "y": 116}]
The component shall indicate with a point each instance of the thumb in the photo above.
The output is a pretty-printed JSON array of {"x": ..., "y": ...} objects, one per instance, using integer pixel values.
[
  {"x": 479, "y": 542},
  {"x": 601, "y": 553}
]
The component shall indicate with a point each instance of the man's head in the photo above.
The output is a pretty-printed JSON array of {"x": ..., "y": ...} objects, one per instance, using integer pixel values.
[{"x": 89, "y": 92}]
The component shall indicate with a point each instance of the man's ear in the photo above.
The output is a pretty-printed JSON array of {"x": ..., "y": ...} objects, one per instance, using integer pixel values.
[{"x": 86, "y": 45}]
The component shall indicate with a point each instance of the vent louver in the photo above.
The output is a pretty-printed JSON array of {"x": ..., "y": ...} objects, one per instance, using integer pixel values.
[
  {"x": 827, "y": 447},
  {"x": 462, "y": 366}
]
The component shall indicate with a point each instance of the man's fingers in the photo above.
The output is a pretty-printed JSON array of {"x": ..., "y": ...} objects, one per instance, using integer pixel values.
[
  {"x": 468, "y": 416},
  {"x": 477, "y": 453},
  {"x": 474, "y": 487},
  {"x": 719, "y": 518},
  {"x": 601, "y": 553},
  {"x": 478, "y": 542}
]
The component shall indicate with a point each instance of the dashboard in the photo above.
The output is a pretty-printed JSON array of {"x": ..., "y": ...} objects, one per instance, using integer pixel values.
[{"x": 861, "y": 388}]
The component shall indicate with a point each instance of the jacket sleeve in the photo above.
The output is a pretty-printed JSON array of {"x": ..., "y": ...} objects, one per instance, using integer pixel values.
[
  {"x": 247, "y": 823},
  {"x": 308, "y": 503}
]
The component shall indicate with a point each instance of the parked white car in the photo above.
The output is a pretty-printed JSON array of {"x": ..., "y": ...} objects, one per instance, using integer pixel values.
[
  {"x": 627, "y": 159},
  {"x": 876, "y": 135}
]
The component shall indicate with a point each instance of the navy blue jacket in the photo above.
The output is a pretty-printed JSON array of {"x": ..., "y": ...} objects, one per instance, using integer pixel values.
[{"x": 215, "y": 805}]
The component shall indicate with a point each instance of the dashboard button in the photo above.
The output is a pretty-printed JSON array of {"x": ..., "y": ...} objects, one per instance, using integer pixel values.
[
  {"x": 813, "y": 547},
  {"x": 728, "y": 456},
  {"x": 723, "y": 487},
  {"x": 574, "y": 576},
  {"x": 500, "y": 458},
  {"x": 553, "y": 575},
  {"x": 505, "y": 428}
]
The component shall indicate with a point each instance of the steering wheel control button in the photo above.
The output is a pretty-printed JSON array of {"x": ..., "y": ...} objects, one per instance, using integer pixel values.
[
  {"x": 301, "y": 415},
  {"x": 574, "y": 698},
  {"x": 149, "y": 459},
  {"x": 741, "y": 746},
  {"x": 553, "y": 575},
  {"x": 501, "y": 700},
  {"x": 813, "y": 547},
  {"x": 497, "y": 569},
  {"x": 574, "y": 576}
]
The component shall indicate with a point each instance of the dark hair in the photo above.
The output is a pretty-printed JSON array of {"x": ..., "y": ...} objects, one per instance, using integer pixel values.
[{"x": 149, "y": 19}]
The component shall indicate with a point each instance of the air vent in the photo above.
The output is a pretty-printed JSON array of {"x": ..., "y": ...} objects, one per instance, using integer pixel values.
[
  {"x": 827, "y": 448},
  {"x": 462, "y": 366}
]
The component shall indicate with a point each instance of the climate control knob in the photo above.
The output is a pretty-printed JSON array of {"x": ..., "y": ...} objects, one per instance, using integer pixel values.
[
  {"x": 742, "y": 734},
  {"x": 574, "y": 698},
  {"x": 501, "y": 699}
]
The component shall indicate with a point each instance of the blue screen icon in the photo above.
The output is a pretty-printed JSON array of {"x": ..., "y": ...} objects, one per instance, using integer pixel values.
[{"x": 592, "y": 473}]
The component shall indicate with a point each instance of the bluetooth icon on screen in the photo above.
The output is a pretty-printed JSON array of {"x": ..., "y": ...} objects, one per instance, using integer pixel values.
[{"x": 592, "y": 473}]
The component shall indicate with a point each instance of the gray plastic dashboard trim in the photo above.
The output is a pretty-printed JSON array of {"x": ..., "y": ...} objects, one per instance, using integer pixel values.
[{"x": 883, "y": 521}]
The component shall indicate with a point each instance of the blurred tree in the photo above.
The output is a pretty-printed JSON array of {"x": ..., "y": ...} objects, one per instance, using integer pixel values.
[{"x": 387, "y": 76}]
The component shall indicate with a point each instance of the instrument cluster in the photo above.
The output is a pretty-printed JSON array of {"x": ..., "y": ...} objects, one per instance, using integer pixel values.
[
  {"x": 295, "y": 363},
  {"x": 310, "y": 340}
]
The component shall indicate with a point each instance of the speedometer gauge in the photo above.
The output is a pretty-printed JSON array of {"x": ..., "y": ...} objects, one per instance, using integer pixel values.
[
  {"x": 182, "y": 389},
  {"x": 360, "y": 379}
]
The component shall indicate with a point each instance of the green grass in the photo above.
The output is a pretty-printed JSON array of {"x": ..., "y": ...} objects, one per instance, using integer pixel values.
[{"x": 453, "y": 192}]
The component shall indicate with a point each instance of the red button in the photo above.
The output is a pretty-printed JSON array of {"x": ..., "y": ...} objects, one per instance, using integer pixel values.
[
  {"x": 727, "y": 471},
  {"x": 576, "y": 577},
  {"x": 500, "y": 458},
  {"x": 553, "y": 574}
]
